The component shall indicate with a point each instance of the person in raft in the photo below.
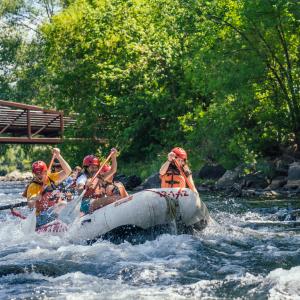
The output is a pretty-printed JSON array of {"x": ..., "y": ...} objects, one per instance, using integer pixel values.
[
  {"x": 39, "y": 192},
  {"x": 171, "y": 176},
  {"x": 96, "y": 196},
  {"x": 113, "y": 187}
]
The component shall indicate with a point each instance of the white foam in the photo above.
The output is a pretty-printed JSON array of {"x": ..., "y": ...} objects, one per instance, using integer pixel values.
[{"x": 286, "y": 283}]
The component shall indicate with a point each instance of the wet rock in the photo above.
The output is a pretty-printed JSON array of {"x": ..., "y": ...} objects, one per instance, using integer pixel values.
[
  {"x": 133, "y": 181},
  {"x": 151, "y": 182},
  {"x": 17, "y": 176},
  {"x": 120, "y": 177},
  {"x": 3, "y": 173},
  {"x": 269, "y": 194},
  {"x": 235, "y": 190},
  {"x": 277, "y": 183},
  {"x": 249, "y": 193},
  {"x": 257, "y": 181},
  {"x": 130, "y": 182},
  {"x": 211, "y": 172},
  {"x": 281, "y": 166},
  {"x": 294, "y": 171},
  {"x": 293, "y": 182},
  {"x": 204, "y": 188},
  {"x": 228, "y": 179}
]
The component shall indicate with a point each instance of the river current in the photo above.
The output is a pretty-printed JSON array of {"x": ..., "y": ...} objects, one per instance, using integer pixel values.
[{"x": 251, "y": 252}]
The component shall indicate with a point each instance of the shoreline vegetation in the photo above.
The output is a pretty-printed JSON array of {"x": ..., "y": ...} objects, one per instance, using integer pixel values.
[
  {"x": 219, "y": 78},
  {"x": 282, "y": 179}
]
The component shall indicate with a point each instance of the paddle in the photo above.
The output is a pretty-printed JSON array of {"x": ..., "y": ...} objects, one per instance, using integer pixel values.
[
  {"x": 10, "y": 206},
  {"x": 22, "y": 204},
  {"x": 69, "y": 213},
  {"x": 183, "y": 174},
  {"x": 29, "y": 224},
  {"x": 51, "y": 163}
]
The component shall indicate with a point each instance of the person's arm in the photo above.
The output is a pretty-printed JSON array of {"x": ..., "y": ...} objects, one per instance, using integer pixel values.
[
  {"x": 31, "y": 202},
  {"x": 164, "y": 168},
  {"x": 193, "y": 187},
  {"x": 66, "y": 169},
  {"x": 32, "y": 196},
  {"x": 189, "y": 176},
  {"x": 114, "y": 165}
]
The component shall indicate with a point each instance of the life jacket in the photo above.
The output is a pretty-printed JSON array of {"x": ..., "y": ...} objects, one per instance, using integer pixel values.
[
  {"x": 172, "y": 178},
  {"x": 24, "y": 194},
  {"x": 96, "y": 190},
  {"x": 47, "y": 199},
  {"x": 111, "y": 189}
]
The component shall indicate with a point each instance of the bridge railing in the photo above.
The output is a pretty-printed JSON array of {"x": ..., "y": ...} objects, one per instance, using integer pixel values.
[{"x": 22, "y": 123}]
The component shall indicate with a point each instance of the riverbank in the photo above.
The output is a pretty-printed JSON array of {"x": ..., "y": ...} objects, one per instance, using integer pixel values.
[{"x": 282, "y": 179}]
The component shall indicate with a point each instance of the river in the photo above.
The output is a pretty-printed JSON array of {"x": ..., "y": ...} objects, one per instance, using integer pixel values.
[{"x": 252, "y": 252}]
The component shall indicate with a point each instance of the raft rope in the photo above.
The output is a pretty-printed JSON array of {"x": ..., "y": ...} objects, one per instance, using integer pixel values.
[{"x": 172, "y": 204}]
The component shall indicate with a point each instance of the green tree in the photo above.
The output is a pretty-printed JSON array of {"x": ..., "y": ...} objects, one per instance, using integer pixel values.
[
  {"x": 246, "y": 62},
  {"x": 119, "y": 66}
]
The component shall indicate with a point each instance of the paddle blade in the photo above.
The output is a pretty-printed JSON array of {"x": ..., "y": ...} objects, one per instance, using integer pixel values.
[
  {"x": 29, "y": 224},
  {"x": 72, "y": 210}
]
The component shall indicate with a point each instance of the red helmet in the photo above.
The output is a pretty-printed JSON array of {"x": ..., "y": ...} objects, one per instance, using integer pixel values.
[
  {"x": 39, "y": 167},
  {"x": 180, "y": 152},
  {"x": 105, "y": 168},
  {"x": 90, "y": 160}
]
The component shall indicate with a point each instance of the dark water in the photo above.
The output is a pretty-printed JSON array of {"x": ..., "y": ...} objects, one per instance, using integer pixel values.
[{"x": 252, "y": 252}]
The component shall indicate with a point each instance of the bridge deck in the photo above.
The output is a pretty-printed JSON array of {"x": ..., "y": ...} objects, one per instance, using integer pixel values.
[{"x": 22, "y": 123}]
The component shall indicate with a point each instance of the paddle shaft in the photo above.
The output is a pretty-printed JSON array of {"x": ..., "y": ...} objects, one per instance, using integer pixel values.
[
  {"x": 183, "y": 174},
  {"x": 67, "y": 214},
  {"x": 99, "y": 170},
  {"x": 51, "y": 163},
  {"x": 10, "y": 206}
]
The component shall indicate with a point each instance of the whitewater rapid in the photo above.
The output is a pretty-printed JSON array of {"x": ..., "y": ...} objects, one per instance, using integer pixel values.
[{"x": 247, "y": 254}]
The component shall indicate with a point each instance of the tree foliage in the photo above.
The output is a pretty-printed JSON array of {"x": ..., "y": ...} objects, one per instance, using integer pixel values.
[{"x": 218, "y": 77}]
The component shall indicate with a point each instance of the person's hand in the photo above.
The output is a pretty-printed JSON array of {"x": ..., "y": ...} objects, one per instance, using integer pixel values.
[
  {"x": 114, "y": 152},
  {"x": 35, "y": 198},
  {"x": 171, "y": 156},
  {"x": 56, "y": 152},
  {"x": 118, "y": 184},
  {"x": 89, "y": 183}
]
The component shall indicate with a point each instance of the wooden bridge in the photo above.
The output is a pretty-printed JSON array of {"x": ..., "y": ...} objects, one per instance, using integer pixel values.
[{"x": 29, "y": 124}]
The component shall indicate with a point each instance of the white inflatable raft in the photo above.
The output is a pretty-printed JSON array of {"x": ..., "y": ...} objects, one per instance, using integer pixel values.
[{"x": 179, "y": 209}]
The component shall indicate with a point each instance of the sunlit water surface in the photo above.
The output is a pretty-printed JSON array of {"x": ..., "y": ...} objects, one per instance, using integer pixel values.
[{"x": 252, "y": 252}]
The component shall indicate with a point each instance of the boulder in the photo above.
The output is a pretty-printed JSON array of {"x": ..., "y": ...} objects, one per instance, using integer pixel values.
[
  {"x": 294, "y": 171},
  {"x": 152, "y": 182},
  {"x": 277, "y": 183},
  {"x": 121, "y": 177},
  {"x": 249, "y": 193},
  {"x": 256, "y": 181},
  {"x": 235, "y": 190},
  {"x": 130, "y": 182},
  {"x": 293, "y": 180},
  {"x": 269, "y": 194},
  {"x": 211, "y": 172},
  {"x": 292, "y": 185},
  {"x": 133, "y": 181},
  {"x": 228, "y": 179},
  {"x": 18, "y": 176},
  {"x": 281, "y": 167},
  {"x": 3, "y": 173}
]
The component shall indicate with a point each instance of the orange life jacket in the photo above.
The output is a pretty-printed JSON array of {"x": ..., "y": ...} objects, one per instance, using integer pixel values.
[{"x": 172, "y": 178}]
